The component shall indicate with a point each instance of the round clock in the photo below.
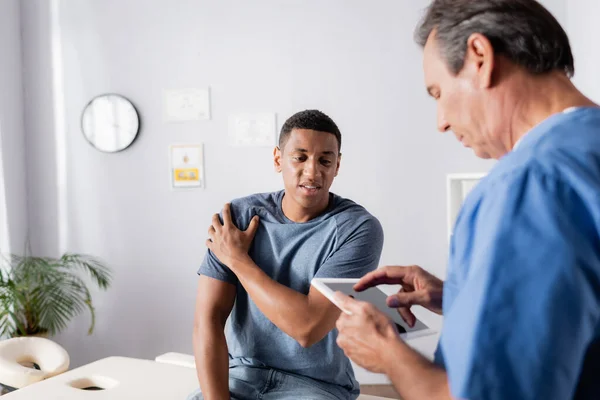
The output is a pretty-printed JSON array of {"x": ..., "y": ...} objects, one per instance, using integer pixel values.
[{"x": 110, "y": 123}]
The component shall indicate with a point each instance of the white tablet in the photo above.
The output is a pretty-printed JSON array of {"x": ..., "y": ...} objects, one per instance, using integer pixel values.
[{"x": 375, "y": 296}]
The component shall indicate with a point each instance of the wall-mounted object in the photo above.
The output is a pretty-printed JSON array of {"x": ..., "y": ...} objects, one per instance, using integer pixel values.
[
  {"x": 252, "y": 129},
  {"x": 458, "y": 187},
  {"x": 187, "y": 166},
  {"x": 182, "y": 105},
  {"x": 110, "y": 123}
]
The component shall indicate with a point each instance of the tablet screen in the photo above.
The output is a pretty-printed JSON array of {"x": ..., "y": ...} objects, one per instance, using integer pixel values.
[{"x": 378, "y": 298}]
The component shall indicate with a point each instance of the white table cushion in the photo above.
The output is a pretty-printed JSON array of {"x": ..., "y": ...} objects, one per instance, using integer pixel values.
[{"x": 49, "y": 356}]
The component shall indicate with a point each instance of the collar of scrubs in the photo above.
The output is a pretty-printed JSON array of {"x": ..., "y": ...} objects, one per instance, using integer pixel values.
[{"x": 565, "y": 111}]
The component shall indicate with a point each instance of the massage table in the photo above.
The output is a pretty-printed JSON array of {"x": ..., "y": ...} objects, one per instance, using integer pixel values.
[{"x": 171, "y": 376}]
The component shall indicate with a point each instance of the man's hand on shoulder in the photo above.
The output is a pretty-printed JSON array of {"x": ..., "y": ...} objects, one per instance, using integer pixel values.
[{"x": 228, "y": 243}]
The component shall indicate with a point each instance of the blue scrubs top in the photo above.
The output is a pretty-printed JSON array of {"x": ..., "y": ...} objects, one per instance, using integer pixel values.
[{"x": 522, "y": 297}]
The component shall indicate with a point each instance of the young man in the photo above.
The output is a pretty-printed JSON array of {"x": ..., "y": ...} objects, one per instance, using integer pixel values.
[
  {"x": 521, "y": 301},
  {"x": 280, "y": 342}
]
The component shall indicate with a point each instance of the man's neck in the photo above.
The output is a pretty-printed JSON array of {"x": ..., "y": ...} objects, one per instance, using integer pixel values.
[
  {"x": 295, "y": 212},
  {"x": 539, "y": 98}
]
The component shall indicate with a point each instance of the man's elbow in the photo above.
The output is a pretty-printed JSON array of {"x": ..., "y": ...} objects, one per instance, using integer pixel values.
[
  {"x": 309, "y": 338},
  {"x": 197, "y": 333},
  {"x": 200, "y": 338},
  {"x": 206, "y": 330},
  {"x": 305, "y": 342}
]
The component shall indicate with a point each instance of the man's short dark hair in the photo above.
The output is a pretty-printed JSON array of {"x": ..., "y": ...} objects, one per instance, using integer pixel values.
[
  {"x": 523, "y": 31},
  {"x": 309, "y": 119}
]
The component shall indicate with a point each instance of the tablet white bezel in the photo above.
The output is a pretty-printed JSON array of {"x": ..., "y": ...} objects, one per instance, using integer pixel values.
[{"x": 321, "y": 285}]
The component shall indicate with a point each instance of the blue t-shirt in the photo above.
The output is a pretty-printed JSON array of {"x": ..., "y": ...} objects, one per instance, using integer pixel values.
[
  {"x": 522, "y": 297},
  {"x": 343, "y": 242}
]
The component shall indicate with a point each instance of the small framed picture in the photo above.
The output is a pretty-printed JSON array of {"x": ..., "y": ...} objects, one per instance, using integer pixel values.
[
  {"x": 182, "y": 105},
  {"x": 187, "y": 166},
  {"x": 252, "y": 129}
]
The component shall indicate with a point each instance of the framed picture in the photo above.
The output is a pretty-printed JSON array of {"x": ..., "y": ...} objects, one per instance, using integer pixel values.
[
  {"x": 252, "y": 130},
  {"x": 187, "y": 166},
  {"x": 182, "y": 105}
]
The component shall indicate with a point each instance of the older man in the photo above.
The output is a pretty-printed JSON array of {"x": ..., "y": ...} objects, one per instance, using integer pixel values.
[{"x": 522, "y": 297}]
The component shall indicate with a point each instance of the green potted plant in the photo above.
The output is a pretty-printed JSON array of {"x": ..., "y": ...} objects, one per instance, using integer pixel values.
[{"x": 40, "y": 295}]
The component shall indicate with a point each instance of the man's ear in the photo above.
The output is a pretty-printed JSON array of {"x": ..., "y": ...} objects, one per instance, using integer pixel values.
[
  {"x": 337, "y": 167},
  {"x": 481, "y": 58},
  {"x": 277, "y": 159}
]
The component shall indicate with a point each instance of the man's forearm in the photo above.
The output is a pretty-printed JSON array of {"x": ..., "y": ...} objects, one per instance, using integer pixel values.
[
  {"x": 212, "y": 363},
  {"x": 288, "y": 309},
  {"x": 413, "y": 376}
]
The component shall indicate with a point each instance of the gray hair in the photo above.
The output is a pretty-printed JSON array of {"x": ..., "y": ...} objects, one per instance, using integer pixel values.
[{"x": 521, "y": 30}]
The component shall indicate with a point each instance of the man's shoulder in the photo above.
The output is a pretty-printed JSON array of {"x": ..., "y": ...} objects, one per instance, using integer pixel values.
[
  {"x": 256, "y": 199},
  {"x": 573, "y": 162},
  {"x": 349, "y": 214},
  {"x": 552, "y": 169},
  {"x": 244, "y": 208},
  {"x": 566, "y": 147}
]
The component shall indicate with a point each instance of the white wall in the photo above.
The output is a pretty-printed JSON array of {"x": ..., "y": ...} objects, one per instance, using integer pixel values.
[
  {"x": 13, "y": 208},
  {"x": 583, "y": 30},
  {"x": 39, "y": 127},
  {"x": 558, "y": 8},
  {"x": 353, "y": 59}
]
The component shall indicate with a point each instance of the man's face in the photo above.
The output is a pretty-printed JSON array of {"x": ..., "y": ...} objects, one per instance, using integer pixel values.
[
  {"x": 308, "y": 161},
  {"x": 462, "y": 105}
]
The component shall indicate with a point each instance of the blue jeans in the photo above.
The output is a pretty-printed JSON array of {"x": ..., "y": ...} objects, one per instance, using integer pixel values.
[{"x": 253, "y": 383}]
